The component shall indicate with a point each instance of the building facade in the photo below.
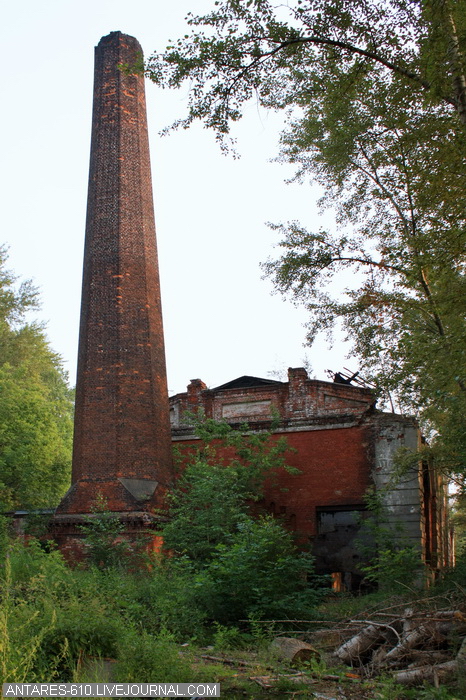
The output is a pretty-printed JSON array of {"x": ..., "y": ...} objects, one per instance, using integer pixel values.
[{"x": 342, "y": 446}]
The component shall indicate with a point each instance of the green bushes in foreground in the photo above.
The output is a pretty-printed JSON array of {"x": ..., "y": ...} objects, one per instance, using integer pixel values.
[
  {"x": 224, "y": 568},
  {"x": 53, "y": 617}
]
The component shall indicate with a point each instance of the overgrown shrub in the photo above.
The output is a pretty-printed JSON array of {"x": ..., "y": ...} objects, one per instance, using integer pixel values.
[
  {"x": 220, "y": 479},
  {"x": 259, "y": 573},
  {"x": 392, "y": 561},
  {"x": 206, "y": 507},
  {"x": 148, "y": 658},
  {"x": 169, "y": 600},
  {"x": 21, "y": 638},
  {"x": 102, "y": 532},
  {"x": 66, "y": 613}
]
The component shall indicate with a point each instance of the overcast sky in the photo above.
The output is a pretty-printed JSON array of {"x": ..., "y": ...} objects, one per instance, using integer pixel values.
[{"x": 221, "y": 320}]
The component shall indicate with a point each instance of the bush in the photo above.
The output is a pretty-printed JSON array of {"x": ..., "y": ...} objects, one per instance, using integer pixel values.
[
  {"x": 85, "y": 627},
  {"x": 169, "y": 600},
  {"x": 102, "y": 530},
  {"x": 200, "y": 520},
  {"x": 395, "y": 567},
  {"x": 146, "y": 658},
  {"x": 219, "y": 481},
  {"x": 56, "y": 614},
  {"x": 21, "y": 638},
  {"x": 261, "y": 574},
  {"x": 393, "y": 562}
]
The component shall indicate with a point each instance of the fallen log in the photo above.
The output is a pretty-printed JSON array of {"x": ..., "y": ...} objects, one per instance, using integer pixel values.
[
  {"x": 383, "y": 625},
  {"x": 329, "y": 639},
  {"x": 294, "y": 650},
  {"x": 431, "y": 674},
  {"x": 226, "y": 660},
  {"x": 423, "y": 657},
  {"x": 268, "y": 682},
  {"x": 434, "y": 673},
  {"x": 413, "y": 638},
  {"x": 355, "y": 648},
  {"x": 378, "y": 656},
  {"x": 450, "y": 614}
]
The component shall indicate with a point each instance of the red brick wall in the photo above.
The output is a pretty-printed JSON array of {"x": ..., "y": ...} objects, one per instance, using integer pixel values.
[
  {"x": 335, "y": 470},
  {"x": 326, "y": 424}
]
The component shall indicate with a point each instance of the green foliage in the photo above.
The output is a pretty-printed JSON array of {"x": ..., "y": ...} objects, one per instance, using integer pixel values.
[
  {"x": 142, "y": 655},
  {"x": 35, "y": 441},
  {"x": 376, "y": 100},
  {"x": 395, "y": 567},
  {"x": 239, "y": 567},
  {"x": 26, "y": 619},
  {"x": 227, "y": 637},
  {"x": 61, "y": 624},
  {"x": 206, "y": 507},
  {"x": 20, "y": 642},
  {"x": 259, "y": 573},
  {"x": 220, "y": 480},
  {"x": 248, "y": 49},
  {"x": 36, "y": 405},
  {"x": 4, "y": 541},
  {"x": 168, "y": 600},
  {"x": 53, "y": 617},
  {"x": 57, "y": 615},
  {"x": 393, "y": 562},
  {"x": 103, "y": 530},
  {"x": 37, "y": 570}
]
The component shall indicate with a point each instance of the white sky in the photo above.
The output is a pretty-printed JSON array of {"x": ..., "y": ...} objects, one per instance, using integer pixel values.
[{"x": 220, "y": 318}]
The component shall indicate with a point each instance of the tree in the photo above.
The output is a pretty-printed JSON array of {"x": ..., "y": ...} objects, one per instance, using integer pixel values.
[
  {"x": 260, "y": 573},
  {"x": 376, "y": 101},
  {"x": 105, "y": 546},
  {"x": 220, "y": 480},
  {"x": 241, "y": 563},
  {"x": 403, "y": 239},
  {"x": 285, "y": 55},
  {"x": 35, "y": 404}
]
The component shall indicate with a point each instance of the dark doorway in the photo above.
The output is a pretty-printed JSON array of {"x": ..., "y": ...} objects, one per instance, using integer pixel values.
[{"x": 341, "y": 540}]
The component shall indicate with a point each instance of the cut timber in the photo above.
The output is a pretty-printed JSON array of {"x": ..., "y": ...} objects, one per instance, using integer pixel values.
[
  {"x": 423, "y": 657},
  {"x": 268, "y": 682},
  {"x": 356, "y": 647},
  {"x": 294, "y": 650},
  {"x": 431, "y": 674},
  {"x": 415, "y": 637},
  {"x": 328, "y": 639}
]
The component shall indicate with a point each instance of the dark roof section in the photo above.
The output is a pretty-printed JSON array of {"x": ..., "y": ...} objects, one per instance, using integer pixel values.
[{"x": 246, "y": 382}]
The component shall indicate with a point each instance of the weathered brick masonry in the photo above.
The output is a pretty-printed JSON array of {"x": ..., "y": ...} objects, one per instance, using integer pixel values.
[
  {"x": 122, "y": 442},
  {"x": 342, "y": 446}
]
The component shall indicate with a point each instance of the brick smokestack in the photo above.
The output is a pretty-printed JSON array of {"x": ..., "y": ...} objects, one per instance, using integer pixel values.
[{"x": 122, "y": 442}]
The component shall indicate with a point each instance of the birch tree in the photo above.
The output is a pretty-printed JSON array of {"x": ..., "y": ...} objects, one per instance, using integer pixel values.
[{"x": 375, "y": 97}]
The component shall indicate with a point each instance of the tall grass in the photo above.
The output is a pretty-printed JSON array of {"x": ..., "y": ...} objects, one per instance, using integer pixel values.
[
  {"x": 54, "y": 619},
  {"x": 21, "y": 640}
]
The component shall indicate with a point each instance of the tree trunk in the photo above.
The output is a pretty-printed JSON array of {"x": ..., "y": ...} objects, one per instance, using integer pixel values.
[
  {"x": 294, "y": 650},
  {"x": 357, "y": 646}
]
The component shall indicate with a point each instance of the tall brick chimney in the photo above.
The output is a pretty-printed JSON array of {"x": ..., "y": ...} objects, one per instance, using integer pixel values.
[{"x": 122, "y": 442}]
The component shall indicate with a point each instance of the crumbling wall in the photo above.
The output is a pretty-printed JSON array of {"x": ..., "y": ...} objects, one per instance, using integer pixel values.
[
  {"x": 401, "y": 490},
  {"x": 342, "y": 447}
]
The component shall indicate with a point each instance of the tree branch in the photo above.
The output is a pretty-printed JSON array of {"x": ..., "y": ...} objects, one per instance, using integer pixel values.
[{"x": 326, "y": 41}]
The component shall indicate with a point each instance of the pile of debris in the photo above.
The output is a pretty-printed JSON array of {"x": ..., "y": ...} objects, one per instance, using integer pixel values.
[{"x": 414, "y": 646}]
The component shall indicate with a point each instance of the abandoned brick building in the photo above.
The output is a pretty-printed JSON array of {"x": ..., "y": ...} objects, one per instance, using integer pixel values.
[
  {"x": 342, "y": 446},
  {"x": 122, "y": 440}
]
